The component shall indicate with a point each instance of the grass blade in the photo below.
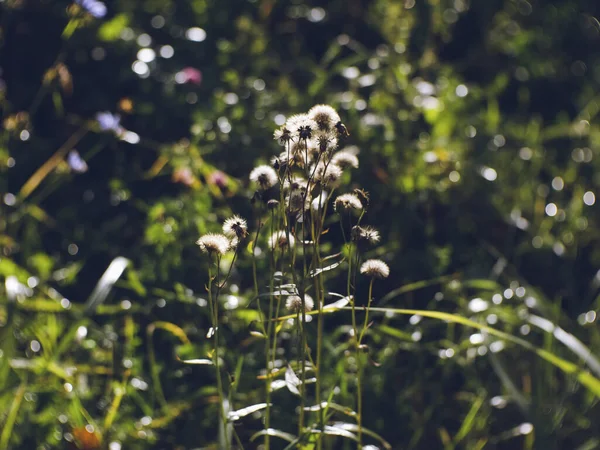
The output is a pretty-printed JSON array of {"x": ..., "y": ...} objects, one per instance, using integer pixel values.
[{"x": 12, "y": 417}]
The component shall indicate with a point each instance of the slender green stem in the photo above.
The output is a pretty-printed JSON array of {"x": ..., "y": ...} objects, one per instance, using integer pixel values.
[
  {"x": 366, "y": 323},
  {"x": 215, "y": 324},
  {"x": 319, "y": 291}
]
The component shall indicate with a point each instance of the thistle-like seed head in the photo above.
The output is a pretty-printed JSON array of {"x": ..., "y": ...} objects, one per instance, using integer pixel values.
[
  {"x": 264, "y": 176},
  {"x": 214, "y": 244},
  {"x": 346, "y": 202},
  {"x": 294, "y": 303},
  {"x": 235, "y": 227},
  {"x": 375, "y": 268},
  {"x": 279, "y": 239}
]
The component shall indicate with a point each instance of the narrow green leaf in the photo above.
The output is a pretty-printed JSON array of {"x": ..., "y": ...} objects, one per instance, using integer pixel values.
[
  {"x": 235, "y": 415},
  {"x": 275, "y": 433},
  {"x": 469, "y": 421},
  {"x": 201, "y": 362},
  {"x": 354, "y": 427},
  {"x": 12, "y": 417},
  {"x": 584, "y": 377}
]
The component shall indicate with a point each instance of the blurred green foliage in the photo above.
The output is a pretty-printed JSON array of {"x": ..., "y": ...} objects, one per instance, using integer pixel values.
[{"x": 478, "y": 130}]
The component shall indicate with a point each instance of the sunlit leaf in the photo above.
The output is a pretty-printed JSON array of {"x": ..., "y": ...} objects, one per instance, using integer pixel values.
[
  {"x": 292, "y": 381},
  {"x": 201, "y": 362},
  {"x": 276, "y": 433},
  {"x": 354, "y": 428},
  {"x": 238, "y": 414}
]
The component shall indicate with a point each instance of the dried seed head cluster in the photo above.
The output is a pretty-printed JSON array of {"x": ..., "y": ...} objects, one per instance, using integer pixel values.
[
  {"x": 294, "y": 303},
  {"x": 375, "y": 268},
  {"x": 234, "y": 230},
  {"x": 327, "y": 174},
  {"x": 212, "y": 243}
]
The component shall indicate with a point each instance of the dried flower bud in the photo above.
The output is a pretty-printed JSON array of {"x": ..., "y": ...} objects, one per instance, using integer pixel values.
[
  {"x": 363, "y": 196},
  {"x": 273, "y": 204},
  {"x": 283, "y": 135},
  {"x": 365, "y": 234}
]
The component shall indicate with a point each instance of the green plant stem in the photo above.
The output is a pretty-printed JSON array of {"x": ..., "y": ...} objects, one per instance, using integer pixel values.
[
  {"x": 267, "y": 441},
  {"x": 366, "y": 322},
  {"x": 355, "y": 337},
  {"x": 359, "y": 363},
  {"x": 302, "y": 353},
  {"x": 320, "y": 291},
  {"x": 215, "y": 325}
]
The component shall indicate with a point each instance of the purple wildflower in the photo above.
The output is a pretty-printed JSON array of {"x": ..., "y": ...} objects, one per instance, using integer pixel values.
[
  {"x": 93, "y": 7},
  {"x": 109, "y": 121},
  {"x": 76, "y": 163},
  {"x": 188, "y": 75},
  {"x": 218, "y": 178}
]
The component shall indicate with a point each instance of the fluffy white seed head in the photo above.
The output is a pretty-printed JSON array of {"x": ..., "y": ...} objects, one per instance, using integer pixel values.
[
  {"x": 346, "y": 202},
  {"x": 327, "y": 174},
  {"x": 297, "y": 200},
  {"x": 365, "y": 234},
  {"x": 279, "y": 239},
  {"x": 325, "y": 116},
  {"x": 325, "y": 140},
  {"x": 345, "y": 159},
  {"x": 375, "y": 268},
  {"x": 318, "y": 204},
  {"x": 295, "y": 183},
  {"x": 265, "y": 176},
  {"x": 235, "y": 227},
  {"x": 214, "y": 244},
  {"x": 294, "y": 303},
  {"x": 301, "y": 126}
]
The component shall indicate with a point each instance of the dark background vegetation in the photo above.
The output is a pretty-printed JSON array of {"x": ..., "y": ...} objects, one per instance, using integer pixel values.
[{"x": 477, "y": 124}]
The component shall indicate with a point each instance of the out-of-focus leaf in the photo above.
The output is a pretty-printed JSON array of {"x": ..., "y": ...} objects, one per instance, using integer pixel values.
[
  {"x": 238, "y": 414},
  {"x": 201, "y": 362},
  {"x": 469, "y": 421},
  {"x": 273, "y": 432},
  {"x": 113, "y": 272},
  {"x": 354, "y": 428},
  {"x": 399, "y": 334},
  {"x": 334, "y": 406},
  {"x": 111, "y": 30},
  {"x": 292, "y": 381}
]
